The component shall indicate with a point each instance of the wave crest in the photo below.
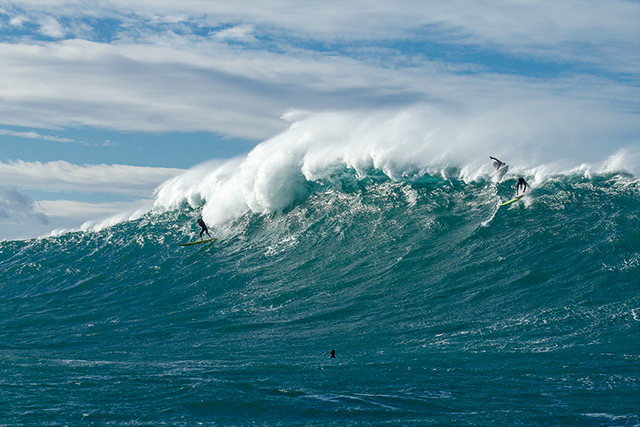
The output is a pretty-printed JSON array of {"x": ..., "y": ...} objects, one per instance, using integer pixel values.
[{"x": 417, "y": 142}]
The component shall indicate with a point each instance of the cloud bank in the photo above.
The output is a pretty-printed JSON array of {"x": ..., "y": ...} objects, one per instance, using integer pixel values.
[
  {"x": 22, "y": 217},
  {"x": 15, "y": 204},
  {"x": 64, "y": 176},
  {"x": 235, "y": 68}
]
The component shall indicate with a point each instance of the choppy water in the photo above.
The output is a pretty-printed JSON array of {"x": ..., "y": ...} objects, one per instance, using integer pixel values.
[{"x": 442, "y": 310}]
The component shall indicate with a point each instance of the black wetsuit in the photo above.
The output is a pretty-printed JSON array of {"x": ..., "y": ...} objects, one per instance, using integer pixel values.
[
  {"x": 204, "y": 228},
  {"x": 521, "y": 184}
]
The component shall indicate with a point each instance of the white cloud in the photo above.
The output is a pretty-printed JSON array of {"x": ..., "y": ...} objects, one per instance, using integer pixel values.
[
  {"x": 153, "y": 80},
  {"x": 590, "y": 31},
  {"x": 602, "y": 34},
  {"x": 82, "y": 210},
  {"x": 64, "y": 176},
  {"x": 14, "y": 205},
  {"x": 160, "y": 88},
  {"x": 68, "y": 215},
  {"x": 25, "y": 218},
  {"x": 17, "y": 21},
  {"x": 50, "y": 27},
  {"x": 207, "y": 86},
  {"x": 34, "y": 135},
  {"x": 241, "y": 33},
  {"x": 22, "y": 217},
  {"x": 594, "y": 32}
]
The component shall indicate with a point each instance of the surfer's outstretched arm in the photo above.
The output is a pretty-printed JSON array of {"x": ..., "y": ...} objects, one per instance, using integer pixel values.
[{"x": 497, "y": 164}]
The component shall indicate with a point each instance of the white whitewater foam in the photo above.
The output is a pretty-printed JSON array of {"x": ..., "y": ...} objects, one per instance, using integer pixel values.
[{"x": 421, "y": 138}]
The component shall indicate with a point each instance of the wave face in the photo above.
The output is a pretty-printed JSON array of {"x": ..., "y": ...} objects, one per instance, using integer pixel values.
[{"x": 442, "y": 308}]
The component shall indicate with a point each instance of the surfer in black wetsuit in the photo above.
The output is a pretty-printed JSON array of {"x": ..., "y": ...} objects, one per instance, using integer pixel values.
[
  {"x": 204, "y": 228},
  {"x": 332, "y": 354},
  {"x": 521, "y": 184},
  {"x": 497, "y": 164}
]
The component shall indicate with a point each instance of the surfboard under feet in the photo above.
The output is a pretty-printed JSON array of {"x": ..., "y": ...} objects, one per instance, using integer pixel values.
[
  {"x": 197, "y": 242},
  {"x": 515, "y": 199}
]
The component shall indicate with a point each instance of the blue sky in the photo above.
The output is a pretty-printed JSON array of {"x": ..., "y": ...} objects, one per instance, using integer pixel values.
[{"x": 101, "y": 102}]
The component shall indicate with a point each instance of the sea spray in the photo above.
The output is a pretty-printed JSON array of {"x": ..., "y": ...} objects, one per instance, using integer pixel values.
[{"x": 401, "y": 145}]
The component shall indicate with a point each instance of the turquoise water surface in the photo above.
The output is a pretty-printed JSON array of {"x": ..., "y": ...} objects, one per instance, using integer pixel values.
[{"x": 442, "y": 310}]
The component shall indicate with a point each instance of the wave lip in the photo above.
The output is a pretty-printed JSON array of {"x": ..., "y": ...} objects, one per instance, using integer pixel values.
[{"x": 321, "y": 147}]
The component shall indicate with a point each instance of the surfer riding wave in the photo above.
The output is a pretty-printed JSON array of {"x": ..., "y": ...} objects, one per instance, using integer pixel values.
[
  {"x": 204, "y": 228},
  {"x": 521, "y": 184}
]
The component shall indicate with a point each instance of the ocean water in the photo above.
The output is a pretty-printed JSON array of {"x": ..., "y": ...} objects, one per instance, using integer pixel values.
[{"x": 442, "y": 308}]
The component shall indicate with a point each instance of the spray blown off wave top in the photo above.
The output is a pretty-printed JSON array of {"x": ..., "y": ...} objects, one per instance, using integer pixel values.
[{"x": 403, "y": 145}]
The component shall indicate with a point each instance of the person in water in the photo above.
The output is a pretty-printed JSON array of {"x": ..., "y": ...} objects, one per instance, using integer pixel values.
[
  {"x": 521, "y": 184},
  {"x": 204, "y": 228},
  {"x": 497, "y": 164},
  {"x": 332, "y": 353}
]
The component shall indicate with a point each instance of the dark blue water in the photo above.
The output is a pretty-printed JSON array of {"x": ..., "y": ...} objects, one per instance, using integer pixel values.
[{"x": 442, "y": 310}]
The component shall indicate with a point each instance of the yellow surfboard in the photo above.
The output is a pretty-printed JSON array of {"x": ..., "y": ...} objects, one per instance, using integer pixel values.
[
  {"x": 197, "y": 242},
  {"x": 515, "y": 199}
]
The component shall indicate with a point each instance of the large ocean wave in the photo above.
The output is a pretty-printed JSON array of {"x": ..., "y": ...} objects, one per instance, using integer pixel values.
[
  {"x": 414, "y": 144},
  {"x": 443, "y": 308},
  {"x": 363, "y": 234}
]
